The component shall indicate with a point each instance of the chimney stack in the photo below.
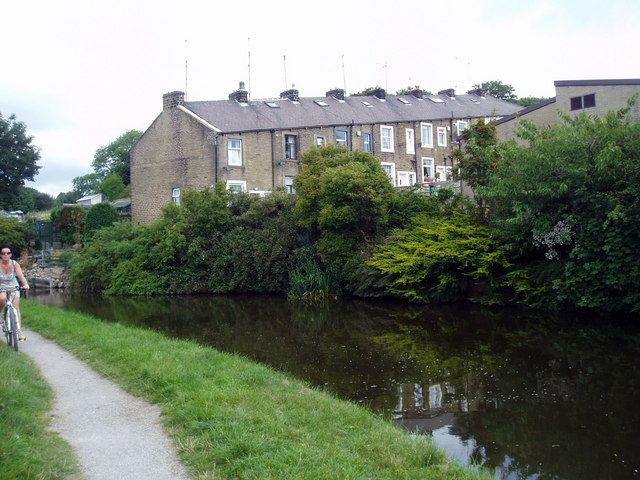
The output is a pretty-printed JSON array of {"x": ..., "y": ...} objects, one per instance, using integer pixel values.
[
  {"x": 449, "y": 92},
  {"x": 292, "y": 94},
  {"x": 240, "y": 95},
  {"x": 478, "y": 91},
  {"x": 417, "y": 92},
  {"x": 172, "y": 100},
  {"x": 337, "y": 93}
]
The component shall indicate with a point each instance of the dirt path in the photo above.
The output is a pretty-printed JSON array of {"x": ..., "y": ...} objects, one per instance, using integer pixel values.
[{"x": 115, "y": 435}]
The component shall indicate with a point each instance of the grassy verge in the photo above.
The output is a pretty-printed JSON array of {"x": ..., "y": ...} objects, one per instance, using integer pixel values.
[
  {"x": 232, "y": 418},
  {"x": 27, "y": 449}
]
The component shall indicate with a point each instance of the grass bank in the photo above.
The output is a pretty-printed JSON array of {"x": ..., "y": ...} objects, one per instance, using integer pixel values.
[
  {"x": 27, "y": 449},
  {"x": 232, "y": 418}
]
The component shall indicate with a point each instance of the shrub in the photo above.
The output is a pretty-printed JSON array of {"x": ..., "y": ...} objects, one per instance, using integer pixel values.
[{"x": 99, "y": 216}]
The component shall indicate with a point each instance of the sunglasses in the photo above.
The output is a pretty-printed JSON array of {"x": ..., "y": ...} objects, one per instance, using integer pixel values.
[{"x": 5, "y": 253}]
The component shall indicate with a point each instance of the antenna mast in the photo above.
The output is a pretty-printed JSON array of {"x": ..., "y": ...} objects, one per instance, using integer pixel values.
[
  {"x": 249, "y": 67},
  {"x": 186, "y": 70},
  {"x": 344, "y": 77},
  {"x": 286, "y": 84}
]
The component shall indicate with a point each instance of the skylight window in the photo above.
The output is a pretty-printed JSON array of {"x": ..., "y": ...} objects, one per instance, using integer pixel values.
[
  {"x": 367, "y": 104},
  {"x": 272, "y": 104},
  {"x": 321, "y": 103},
  {"x": 436, "y": 100},
  {"x": 404, "y": 100}
]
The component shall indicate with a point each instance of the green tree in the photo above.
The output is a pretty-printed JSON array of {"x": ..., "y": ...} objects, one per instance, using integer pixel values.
[
  {"x": 16, "y": 233},
  {"x": 409, "y": 89},
  {"x": 480, "y": 157},
  {"x": 31, "y": 200},
  {"x": 99, "y": 216},
  {"x": 346, "y": 197},
  {"x": 528, "y": 101},
  {"x": 86, "y": 184},
  {"x": 570, "y": 199},
  {"x": 114, "y": 158},
  {"x": 18, "y": 160},
  {"x": 66, "y": 198},
  {"x": 113, "y": 187},
  {"x": 497, "y": 89},
  {"x": 70, "y": 220},
  {"x": 366, "y": 92}
]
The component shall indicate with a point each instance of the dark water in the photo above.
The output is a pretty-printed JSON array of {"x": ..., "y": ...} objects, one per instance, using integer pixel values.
[{"x": 532, "y": 396}]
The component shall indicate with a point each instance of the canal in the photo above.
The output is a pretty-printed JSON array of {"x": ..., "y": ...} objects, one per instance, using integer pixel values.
[{"x": 529, "y": 395}]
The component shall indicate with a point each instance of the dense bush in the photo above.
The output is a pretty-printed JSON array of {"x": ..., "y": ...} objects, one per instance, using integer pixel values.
[
  {"x": 17, "y": 234},
  {"x": 99, "y": 216},
  {"x": 570, "y": 198},
  {"x": 438, "y": 260},
  {"x": 70, "y": 220}
]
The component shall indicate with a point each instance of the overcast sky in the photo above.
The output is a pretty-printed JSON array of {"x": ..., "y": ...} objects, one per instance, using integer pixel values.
[{"x": 79, "y": 73}]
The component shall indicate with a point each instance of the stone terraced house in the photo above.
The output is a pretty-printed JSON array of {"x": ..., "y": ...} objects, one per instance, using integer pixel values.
[{"x": 255, "y": 145}]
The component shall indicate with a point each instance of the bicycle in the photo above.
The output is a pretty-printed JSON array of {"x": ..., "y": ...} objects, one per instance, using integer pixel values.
[{"x": 10, "y": 319}]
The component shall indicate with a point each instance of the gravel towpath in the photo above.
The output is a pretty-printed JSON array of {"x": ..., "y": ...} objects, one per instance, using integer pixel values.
[{"x": 116, "y": 436}]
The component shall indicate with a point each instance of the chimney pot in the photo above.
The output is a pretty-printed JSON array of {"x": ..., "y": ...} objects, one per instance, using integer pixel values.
[{"x": 240, "y": 95}]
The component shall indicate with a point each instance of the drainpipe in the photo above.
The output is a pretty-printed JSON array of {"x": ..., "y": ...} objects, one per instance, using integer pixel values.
[
  {"x": 415, "y": 149},
  {"x": 215, "y": 158},
  {"x": 273, "y": 159},
  {"x": 351, "y": 136}
]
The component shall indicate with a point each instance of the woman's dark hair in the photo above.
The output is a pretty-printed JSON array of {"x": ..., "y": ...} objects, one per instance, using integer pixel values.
[{"x": 5, "y": 245}]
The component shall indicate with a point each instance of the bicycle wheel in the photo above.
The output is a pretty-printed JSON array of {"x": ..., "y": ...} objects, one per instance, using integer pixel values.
[
  {"x": 6, "y": 328},
  {"x": 13, "y": 328}
]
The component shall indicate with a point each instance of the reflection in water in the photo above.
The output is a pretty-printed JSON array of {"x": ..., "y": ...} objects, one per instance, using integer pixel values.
[{"x": 528, "y": 395}]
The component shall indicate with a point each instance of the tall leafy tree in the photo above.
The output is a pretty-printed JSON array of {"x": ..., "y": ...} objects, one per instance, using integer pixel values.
[
  {"x": 86, "y": 184},
  {"x": 18, "y": 159},
  {"x": 497, "y": 89},
  {"x": 114, "y": 158},
  {"x": 570, "y": 200},
  {"x": 346, "y": 196}
]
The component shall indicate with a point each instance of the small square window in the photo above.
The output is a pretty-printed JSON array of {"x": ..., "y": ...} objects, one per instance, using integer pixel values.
[
  {"x": 288, "y": 184},
  {"x": 342, "y": 138},
  {"x": 319, "y": 141}
]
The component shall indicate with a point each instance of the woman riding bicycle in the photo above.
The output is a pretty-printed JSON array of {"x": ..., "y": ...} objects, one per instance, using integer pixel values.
[{"x": 10, "y": 274}]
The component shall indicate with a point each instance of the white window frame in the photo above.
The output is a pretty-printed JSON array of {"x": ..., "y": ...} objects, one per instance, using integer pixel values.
[
  {"x": 411, "y": 142},
  {"x": 391, "y": 173},
  {"x": 288, "y": 184},
  {"x": 290, "y": 148},
  {"x": 406, "y": 179},
  {"x": 442, "y": 136},
  {"x": 320, "y": 142},
  {"x": 176, "y": 196},
  {"x": 386, "y": 140},
  {"x": 234, "y": 153},
  {"x": 461, "y": 126},
  {"x": 426, "y": 130},
  {"x": 442, "y": 173},
  {"x": 428, "y": 161},
  {"x": 237, "y": 183},
  {"x": 340, "y": 143}
]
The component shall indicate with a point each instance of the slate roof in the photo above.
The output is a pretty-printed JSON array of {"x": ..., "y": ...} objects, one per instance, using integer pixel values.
[{"x": 231, "y": 116}]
